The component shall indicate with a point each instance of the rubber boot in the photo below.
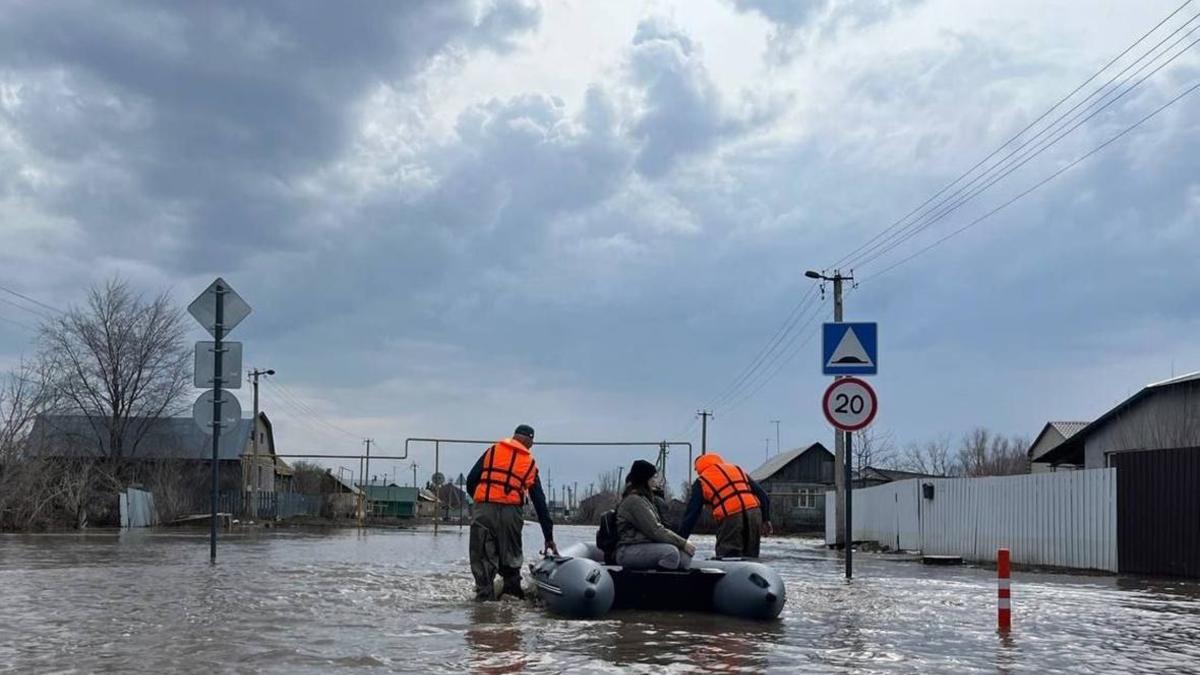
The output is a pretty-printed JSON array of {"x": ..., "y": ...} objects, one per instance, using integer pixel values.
[{"x": 512, "y": 586}]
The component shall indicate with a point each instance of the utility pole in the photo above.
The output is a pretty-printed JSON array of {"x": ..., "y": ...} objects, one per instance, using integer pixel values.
[
  {"x": 414, "y": 468},
  {"x": 766, "y": 449},
  {"x": 841, "y": 470},
  {"x": 366, "y": 476},
  {"x": 777, "y": 448},
  {"x": 704, "y": 415},
  {"x": 252, "y": 507}
]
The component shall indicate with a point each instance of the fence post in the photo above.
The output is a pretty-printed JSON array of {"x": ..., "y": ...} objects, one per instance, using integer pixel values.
[{"x": 1004, "y": 590}]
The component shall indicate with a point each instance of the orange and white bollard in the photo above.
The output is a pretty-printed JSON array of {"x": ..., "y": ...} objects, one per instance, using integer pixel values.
[{"x": 1004, "y": 591}]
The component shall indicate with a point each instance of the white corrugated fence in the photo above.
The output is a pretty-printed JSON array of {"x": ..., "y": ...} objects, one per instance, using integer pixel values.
[{"x": 1061, "y": 519}]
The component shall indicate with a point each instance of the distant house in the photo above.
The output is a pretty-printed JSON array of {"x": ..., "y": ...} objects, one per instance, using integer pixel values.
[
  {"x": 1160, "y": 416},
  {"x": 176, "y": 441},
  {"x": 426, "y": 503},
  {"x": 871, "y": 476},
  {"x": 391, "y": 500},
  {"x": 1052, "y": 436},
  {"x": 341, "y": 496},
  {"x": 453, "y": 500},
  {"x": 797, "y": 480}
]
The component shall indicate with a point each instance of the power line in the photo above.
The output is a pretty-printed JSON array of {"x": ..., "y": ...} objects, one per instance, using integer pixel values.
[
  {"x": 917, "y": 227},
  {"x": 795, "y": 348},
  {"x": 770, "y": 348},
  {"x": 31, "y": 310},
  {"x": 39, "y": 303},
  {"x": 303, "y": 418},
  {"x": 1042, "y": 182},
  {"x": 1106, "y": 66},
  {"x": 286, "y": 393},
  {"x": 22, "y": 324}
]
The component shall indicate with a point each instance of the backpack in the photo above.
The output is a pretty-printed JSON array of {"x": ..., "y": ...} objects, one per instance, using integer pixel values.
[{"x": 606, "y": 537}]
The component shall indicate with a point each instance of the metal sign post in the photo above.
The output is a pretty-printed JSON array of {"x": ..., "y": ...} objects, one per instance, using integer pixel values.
[
  {"x": 218, "y": 359},
  {"x": 849, "y": 404},
  {"x": 219, "y": 308}
]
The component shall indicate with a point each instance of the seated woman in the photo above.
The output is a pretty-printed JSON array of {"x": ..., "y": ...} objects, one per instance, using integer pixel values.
[{"x": 643, "y": 541}]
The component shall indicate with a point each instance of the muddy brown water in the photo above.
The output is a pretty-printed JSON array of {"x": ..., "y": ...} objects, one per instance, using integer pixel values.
[{"x": 399, "y": 601}]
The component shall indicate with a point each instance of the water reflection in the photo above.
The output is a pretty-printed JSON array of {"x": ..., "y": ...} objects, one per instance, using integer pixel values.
[
  {"x": 300, "y": 602},
  {"x": 495, "y": 639}
]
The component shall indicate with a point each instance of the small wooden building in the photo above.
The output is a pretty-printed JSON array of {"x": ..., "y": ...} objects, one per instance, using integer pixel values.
[{"x": 796, "y": 481}]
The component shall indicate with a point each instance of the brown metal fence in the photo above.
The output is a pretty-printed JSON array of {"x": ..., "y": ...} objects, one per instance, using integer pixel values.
[{"x": 1158, "y": 512}]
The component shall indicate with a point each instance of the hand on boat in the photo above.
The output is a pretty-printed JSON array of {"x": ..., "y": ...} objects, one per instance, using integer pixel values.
[
  {"x": 689, "y": 548},
  {"x": 550, "y": 548},
  {"x": 767, "y": 529}
]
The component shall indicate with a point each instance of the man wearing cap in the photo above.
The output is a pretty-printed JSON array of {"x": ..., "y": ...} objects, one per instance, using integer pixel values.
[
  {"x": 740, "y": 506},
  {"x": 499, "y": 483}
]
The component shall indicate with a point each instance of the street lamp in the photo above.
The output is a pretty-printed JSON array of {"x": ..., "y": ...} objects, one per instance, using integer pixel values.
[
  {"x": 814, "y": 275},
  {"x": 255, "y": 471}
]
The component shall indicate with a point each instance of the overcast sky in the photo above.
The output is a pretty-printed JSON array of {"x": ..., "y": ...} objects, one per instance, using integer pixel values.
[{"x": 453, "y": 217}]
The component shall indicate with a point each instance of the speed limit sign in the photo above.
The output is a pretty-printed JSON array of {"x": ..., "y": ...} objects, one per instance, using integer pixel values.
[{"x": 850, "y": 404}]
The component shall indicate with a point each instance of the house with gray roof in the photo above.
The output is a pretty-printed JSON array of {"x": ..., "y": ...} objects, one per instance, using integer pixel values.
[
  {"x": 173, "y": 441},
  {"x": 797, "y": 480},
  {"x": 1162, "y": 415},
  {"x": 1051, "y": 436}
]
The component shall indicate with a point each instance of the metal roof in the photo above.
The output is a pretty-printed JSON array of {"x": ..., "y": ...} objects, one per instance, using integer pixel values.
[
  {"x": 1071, "y": 450},
  {"x": 774, "y": 464},
  {"x": 163, "y": 438},
  {"x": 1068, "y": 429},
  {"x": 868, "y": 472},
  {"x": 350, "y": 487},
  {"x": 1064, "y": 429}
]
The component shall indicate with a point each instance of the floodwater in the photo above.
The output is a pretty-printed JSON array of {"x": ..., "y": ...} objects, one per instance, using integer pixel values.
[{"x": 399, "y": 601}]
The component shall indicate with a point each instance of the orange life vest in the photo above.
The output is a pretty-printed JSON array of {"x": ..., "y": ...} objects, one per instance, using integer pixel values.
[
  {"x": 508, "y": 473},
  {"x": 725, "y": 486}
]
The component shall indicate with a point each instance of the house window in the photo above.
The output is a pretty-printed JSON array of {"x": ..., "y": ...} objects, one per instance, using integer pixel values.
[
  {"x": 806, "y": 499},
  {"x": 262, "y": 438}
]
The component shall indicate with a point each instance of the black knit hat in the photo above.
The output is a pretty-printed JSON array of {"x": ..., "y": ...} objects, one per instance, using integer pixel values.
[
  {"x": 524, "y": 430},
  {"x": 641, "y": 472}
]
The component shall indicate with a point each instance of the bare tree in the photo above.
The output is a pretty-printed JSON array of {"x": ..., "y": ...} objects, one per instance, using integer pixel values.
[
  {"x": 874, "y": 448},
  {"x": 25, "y": 393},
  {"x": 609, "y": 481},
  {"x": 120, "y": 361},
  {"x": 309, "y": 478},
  {"x": 931, "y": 457},
  {"x": 983, "y": 453},
  {"x": 973, "y": 452}
]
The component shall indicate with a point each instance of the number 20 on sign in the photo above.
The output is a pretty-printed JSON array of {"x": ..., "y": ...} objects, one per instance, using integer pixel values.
[{"x": 850, "y": 404}]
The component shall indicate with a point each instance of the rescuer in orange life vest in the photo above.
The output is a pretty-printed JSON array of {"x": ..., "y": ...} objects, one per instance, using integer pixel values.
[
  {"x": 739, "y": 504},
  {"x": 499, "y": 482}
]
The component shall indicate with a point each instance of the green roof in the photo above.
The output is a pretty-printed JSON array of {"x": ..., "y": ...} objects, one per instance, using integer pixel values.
[{"x": 391, "y": 493}]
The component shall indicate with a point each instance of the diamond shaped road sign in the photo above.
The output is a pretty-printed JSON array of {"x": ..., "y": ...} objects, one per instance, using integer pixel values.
[{"x": 204, "y": 308}]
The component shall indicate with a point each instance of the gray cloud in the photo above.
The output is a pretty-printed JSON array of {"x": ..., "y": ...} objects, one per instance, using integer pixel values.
[
  {"x": 682, "y": 108},
  {"x": 598, "y": 267},
  {"x": 199, "y": 120},
  {"x": 795, "y": 15}
]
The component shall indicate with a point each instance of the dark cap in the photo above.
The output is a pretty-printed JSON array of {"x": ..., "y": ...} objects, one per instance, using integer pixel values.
[
  {"x": 523, "y": 430},
  {"x": 641, "y": 472}
]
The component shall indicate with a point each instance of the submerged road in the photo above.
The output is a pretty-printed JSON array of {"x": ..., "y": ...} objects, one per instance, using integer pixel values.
[{"x": 399, "y": 601}]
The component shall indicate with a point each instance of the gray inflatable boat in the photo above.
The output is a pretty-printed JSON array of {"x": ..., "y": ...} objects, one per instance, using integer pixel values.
[{"x": 577, "y": 584}]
